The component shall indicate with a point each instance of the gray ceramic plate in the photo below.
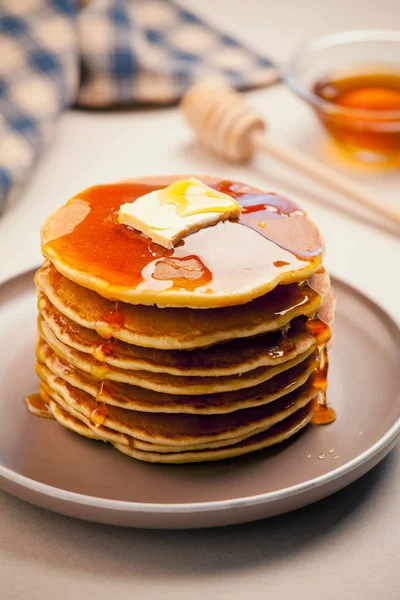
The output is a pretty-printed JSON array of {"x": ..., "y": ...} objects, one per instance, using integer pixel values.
[{"x": 47, "y": 465}]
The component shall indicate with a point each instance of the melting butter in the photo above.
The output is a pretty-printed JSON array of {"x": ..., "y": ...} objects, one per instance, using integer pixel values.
[{"x": 170, "y": 214}]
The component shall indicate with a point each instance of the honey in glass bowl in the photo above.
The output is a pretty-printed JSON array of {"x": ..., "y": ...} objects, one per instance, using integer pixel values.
[
  {"x": 361, "y": 111},
  {"x": 351, "y": 79}
]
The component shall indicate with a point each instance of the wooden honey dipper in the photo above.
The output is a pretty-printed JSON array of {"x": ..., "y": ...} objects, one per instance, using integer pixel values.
[{"x": 232, "y": 129}]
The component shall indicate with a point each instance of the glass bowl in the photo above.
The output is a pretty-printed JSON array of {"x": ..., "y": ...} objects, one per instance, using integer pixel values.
[{"x": 352, "y": 82}]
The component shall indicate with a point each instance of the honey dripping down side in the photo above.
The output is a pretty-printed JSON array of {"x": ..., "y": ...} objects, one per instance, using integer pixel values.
[
  {"x": 104, "y": 350},
  {"x": 377, "y": 94},
  {"x": 127, "y": 259},
  {"x": 99, "y": 412},
  {"x": 107, "y": 322},
  {"x": 323, "y": 414}
]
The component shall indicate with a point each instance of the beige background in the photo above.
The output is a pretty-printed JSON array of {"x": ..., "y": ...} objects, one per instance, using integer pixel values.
[{"x": 343, "y": 547}]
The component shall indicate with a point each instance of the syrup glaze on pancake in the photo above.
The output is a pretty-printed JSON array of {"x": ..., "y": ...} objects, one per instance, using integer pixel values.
[
  {"x": 207, "y": 269},
  {"x": 162, "y": 329}
]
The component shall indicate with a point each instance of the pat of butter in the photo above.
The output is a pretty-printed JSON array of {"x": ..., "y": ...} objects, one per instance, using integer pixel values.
[{"x": 170, "y": 214}]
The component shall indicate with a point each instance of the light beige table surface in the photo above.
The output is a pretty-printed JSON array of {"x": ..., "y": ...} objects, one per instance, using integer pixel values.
[{"x": 345, "y": 547}]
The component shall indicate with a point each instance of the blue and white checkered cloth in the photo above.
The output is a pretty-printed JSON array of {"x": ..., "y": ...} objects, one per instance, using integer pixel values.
[{"x": 101, "y": 53}]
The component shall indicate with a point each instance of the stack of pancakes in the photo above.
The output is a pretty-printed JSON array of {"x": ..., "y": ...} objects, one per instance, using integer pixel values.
[{"x": 207, "y": 351}]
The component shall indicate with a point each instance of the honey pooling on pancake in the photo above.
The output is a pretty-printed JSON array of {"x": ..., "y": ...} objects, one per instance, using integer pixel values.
[
  {"x": 186, "y": 273},
  {"x": 207, "y": 351}
]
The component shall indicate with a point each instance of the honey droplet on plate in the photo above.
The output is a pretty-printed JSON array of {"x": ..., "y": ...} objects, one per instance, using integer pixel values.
[
  {"x": 322, "y": 456},
  {"x": 37, "y": 406},
  {"x": 324, "y": 416}
]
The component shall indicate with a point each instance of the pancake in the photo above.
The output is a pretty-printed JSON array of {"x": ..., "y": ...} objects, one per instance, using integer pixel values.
[
  {"x": 178, "y": 430},
  {"x": 106, "y": 434},
  {"x": 207, "y": 269},
  {"x": 237, "y": 356},
  {"x": 162, "y": 329},
  {"x": 279, "y": 433},
  {"x": 100, "y": 432},
  {"x": 276, "y": 434},
  {"x": 84, "y": 426},
  {"x": 161, "y": 382},
  {"x": 136, "y": 398},
  {"x": 73, "y": 423}
]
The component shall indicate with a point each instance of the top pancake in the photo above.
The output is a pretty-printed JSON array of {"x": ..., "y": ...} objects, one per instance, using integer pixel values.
[
  {"x": 225, "y": 265},
  {"x": 178, "y": 328}
]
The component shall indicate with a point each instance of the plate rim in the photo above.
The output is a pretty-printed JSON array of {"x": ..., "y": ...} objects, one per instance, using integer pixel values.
[{"x": 218, "y": 505}]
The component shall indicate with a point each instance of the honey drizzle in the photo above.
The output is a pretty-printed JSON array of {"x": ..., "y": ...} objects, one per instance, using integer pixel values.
[
  {"x": 319, "y": 330},
  {"x": 37, "y": 406},
  {"x": 99, "y": 413},
  {"x": 102, "y": 351}
]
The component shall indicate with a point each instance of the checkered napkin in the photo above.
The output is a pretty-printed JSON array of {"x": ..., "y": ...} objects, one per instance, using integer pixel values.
[{"x": 101, "y": 53}]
